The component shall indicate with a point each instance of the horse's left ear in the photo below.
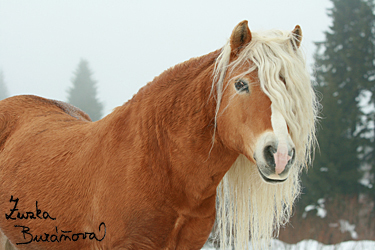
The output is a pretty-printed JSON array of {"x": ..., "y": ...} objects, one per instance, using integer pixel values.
[
  {"x": 297, "y": 36},
  {"x": 240, "y": 37}
]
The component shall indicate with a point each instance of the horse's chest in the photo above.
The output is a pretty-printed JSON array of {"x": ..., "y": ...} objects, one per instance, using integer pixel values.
[{"x": 165, "y": 232}]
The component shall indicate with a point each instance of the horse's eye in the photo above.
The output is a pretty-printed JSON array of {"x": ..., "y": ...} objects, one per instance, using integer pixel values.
[{"x": 241, "y": 86}]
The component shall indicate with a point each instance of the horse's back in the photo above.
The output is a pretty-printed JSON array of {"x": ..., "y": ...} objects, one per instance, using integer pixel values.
[
  {"x": 35, "y": 104},
  {"x": 18, "y": 110}
]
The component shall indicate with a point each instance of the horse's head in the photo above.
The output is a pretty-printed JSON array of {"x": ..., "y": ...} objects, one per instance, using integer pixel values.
[{"x": 265, "y": 102}]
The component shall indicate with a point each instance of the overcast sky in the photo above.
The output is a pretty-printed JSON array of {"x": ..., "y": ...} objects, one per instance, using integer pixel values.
[{"x": 127, "y": 43}]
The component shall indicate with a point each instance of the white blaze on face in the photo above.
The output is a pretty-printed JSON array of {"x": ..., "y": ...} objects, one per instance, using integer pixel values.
[{"x": 280, "y": 129}]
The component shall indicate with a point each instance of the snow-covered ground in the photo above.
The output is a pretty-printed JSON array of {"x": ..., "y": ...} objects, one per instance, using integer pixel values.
[{"x": 314, "y": 245}]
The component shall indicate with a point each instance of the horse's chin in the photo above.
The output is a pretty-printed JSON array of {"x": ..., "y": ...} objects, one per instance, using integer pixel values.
[{"x": 272, "y": 179}]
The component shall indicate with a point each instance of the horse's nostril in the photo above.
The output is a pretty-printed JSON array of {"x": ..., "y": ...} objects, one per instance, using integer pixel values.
[
  {"x": 292, "y": 153},
  {"x": 269, "y": 151},
  {"x": 270, "y": 160},
  {"x": 272, "y": 149}
]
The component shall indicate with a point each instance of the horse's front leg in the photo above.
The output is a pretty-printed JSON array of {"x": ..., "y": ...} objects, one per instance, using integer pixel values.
[{"x": 194, "y": 233}]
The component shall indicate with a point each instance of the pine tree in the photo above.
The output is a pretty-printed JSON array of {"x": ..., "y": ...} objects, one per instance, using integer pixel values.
[
  {"x": 345, "y": 68},
  {"x": 3, "y": 89},
  {"x": 83, "y": 94}
]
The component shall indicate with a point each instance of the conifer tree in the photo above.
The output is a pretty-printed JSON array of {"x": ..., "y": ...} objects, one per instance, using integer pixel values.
[
  {"x": 3, "y": 89},
  {"x": 344, "y": 72},
  {"x": 83, "y": 94}
]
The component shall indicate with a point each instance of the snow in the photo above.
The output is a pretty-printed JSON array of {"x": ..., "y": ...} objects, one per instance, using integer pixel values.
[
  {"x": 367, "y": 177},
  {"x": 314, "y": 245},
  {"x": 320, "y": 210},
  {"x": 345, "y": 226}
]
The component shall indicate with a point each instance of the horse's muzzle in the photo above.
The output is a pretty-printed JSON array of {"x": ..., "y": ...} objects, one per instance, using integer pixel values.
[
  {"x": 274, "y": 159},
  {"x": 269, "y": 172}
]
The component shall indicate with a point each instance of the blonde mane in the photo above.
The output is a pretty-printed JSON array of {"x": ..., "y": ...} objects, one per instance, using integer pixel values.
[{"x": 245, "y": 202}]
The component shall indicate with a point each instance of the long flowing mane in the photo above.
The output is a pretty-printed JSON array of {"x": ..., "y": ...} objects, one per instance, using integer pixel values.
[{"x": 245, "y": 202}]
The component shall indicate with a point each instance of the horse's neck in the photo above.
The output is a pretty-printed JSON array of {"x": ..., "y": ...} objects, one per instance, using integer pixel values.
[{"x": 173, "y": 121}]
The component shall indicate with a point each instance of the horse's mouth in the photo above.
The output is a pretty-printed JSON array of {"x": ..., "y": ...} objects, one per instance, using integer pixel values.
[{"x": 268, "y": 180}]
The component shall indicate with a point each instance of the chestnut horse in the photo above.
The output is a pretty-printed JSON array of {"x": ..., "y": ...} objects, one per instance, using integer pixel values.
[{"x": 237, "y": 124}]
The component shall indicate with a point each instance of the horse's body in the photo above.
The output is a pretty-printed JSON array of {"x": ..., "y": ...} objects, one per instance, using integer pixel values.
[{"x": 145, "y": 176}]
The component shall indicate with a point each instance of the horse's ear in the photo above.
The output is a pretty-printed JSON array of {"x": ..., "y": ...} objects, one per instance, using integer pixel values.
[
  {"x": 240, "y": 37},
  {"x": 297, "y": 37}
]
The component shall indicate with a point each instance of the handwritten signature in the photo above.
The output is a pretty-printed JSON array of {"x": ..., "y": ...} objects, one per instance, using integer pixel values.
[
  {"x": 29, "y": 215},
  {"x": 64, "y": 235}
]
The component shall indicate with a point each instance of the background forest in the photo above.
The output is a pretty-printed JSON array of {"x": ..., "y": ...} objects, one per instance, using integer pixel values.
[{"x": 338, "y": 197}]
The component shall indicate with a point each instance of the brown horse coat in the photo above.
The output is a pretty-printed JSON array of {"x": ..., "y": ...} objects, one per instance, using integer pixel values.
[
  {"x": 143, "y": 177},
  {"x": 138, "y": 170}
]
